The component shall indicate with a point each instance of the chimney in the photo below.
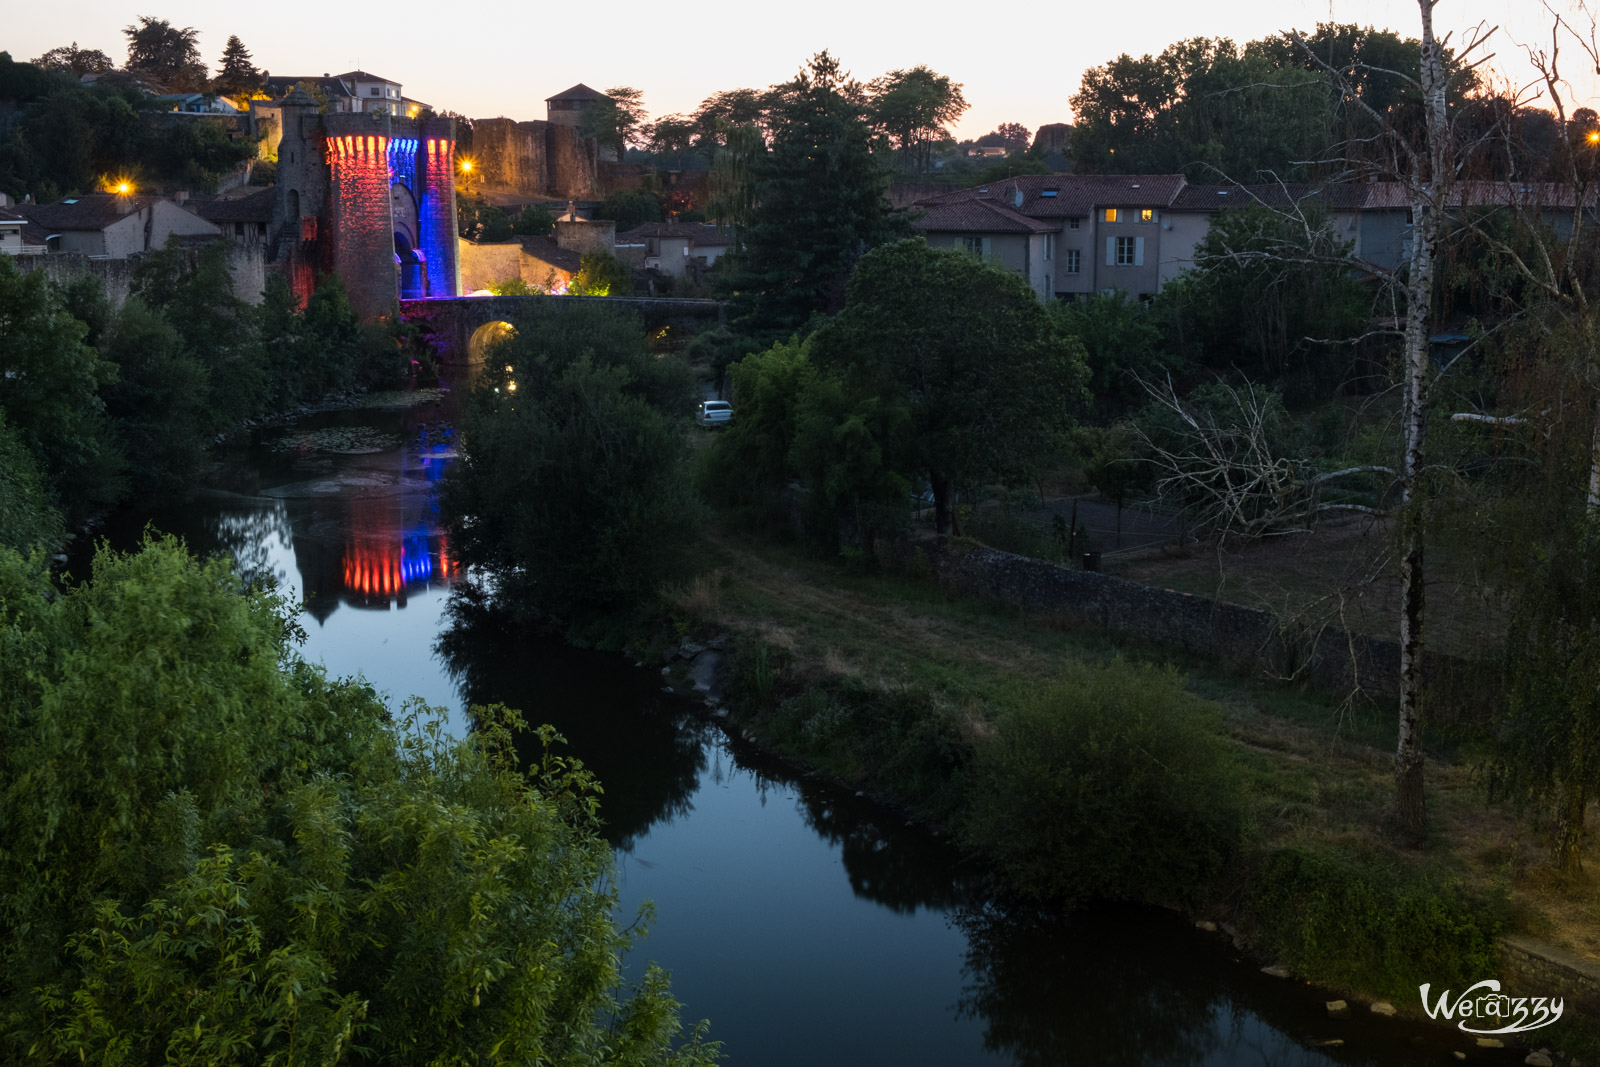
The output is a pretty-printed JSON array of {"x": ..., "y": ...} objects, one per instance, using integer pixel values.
[
  {"x": 1016, "y": 196},
  {"x": 125, "y": 203},
  {"x": 5, "y": 199},
  {"x": 181, "y": 196}
]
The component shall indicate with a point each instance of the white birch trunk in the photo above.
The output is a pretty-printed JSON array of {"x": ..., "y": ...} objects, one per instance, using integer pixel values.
[{"x": 1428, "y": 201}]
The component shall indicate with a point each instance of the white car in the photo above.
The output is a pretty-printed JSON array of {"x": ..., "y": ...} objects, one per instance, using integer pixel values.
[{"x": 714, "y": 413}]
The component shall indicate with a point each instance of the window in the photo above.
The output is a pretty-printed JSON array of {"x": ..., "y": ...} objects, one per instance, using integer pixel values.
[
  {"x": 1111, "y": 214},
  {"x": 1070, "y": 261},
  {"x": 1124, "y": 251},
  {"x": 1048, "y": 286},
  {"x": 1072, "y": 224},
  {"x": 1049, "y": 247},
  {"x": 374, "y": 91},
  {"x": 1147, "y": 215},
  {"x": 978, "y": 246}
]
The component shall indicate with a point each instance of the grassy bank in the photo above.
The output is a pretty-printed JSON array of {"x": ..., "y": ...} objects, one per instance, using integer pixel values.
[{"x": 1086, "y": 766}]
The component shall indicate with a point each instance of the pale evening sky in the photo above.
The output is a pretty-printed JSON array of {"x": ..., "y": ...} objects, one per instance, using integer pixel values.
[{"x": 1018, "y": 63}]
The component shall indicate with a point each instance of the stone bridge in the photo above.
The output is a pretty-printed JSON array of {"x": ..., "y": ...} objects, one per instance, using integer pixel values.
[{"x": 462, "y": 326}]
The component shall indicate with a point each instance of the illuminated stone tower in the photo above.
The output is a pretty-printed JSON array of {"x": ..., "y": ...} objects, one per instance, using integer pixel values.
[{"x": 371, "y": 198}]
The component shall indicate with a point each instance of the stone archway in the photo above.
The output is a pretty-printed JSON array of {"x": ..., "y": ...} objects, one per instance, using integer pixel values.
[{"x": 486, "y": 337}]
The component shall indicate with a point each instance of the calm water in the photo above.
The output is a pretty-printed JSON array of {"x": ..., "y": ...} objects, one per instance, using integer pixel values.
[{"x": 808, "y": 926}]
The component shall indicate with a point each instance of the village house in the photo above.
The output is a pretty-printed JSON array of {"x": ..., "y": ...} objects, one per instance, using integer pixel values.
[
  {"x": 1072, "y": 235},
  {"x": 675, "y": 248},
  {"x": 113, "y": 225}
]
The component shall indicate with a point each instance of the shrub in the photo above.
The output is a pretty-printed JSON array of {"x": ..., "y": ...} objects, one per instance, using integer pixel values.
[
  {"x": 1361, "y": 921},
  {"x": 1112, "y": 783}
]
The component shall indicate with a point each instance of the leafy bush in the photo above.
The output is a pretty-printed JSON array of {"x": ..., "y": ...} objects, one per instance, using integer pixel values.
[
  {"x": 601, "y": 274},
  {"x": 533, "y": 221},
  {"x": 630, "y": 208},
  {"x": 1360, "y": 921},
  {"x": 1112, "y": 783},
  {"x": 214, "y": 853}
]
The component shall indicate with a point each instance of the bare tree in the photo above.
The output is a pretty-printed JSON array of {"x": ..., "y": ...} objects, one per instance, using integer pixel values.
[{"x": 1225, "y": 468}]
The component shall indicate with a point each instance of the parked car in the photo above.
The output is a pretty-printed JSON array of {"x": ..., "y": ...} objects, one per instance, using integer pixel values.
[{"x": 714, "y": 413}]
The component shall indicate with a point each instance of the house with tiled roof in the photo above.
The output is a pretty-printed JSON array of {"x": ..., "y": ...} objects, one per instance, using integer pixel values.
[
  {"x": 1090, "y": 232},
  {"x": 246, "y": 217},
  {"x": 112, "y": 225},
  {"x": 566, "y": 108},
  {"x": 673, "y": 247},
  {"x": 18, "y": 236}
]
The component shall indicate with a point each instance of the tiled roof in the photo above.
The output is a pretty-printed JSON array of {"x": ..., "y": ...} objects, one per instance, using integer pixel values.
[
  {"x": 546, "y": 250},
  {"x": 363, "y": 76},
  {"x": 1339, "y": 196},
  {"x": 1392, "y": 196},
  {"x": 701, "y": 235},
  {"x": 1073, "y": 195},
  {"x": 578, "y": 92},
  {"x": 258, "y": 206},
  {"x": 977, "y": 216},
  {"x": 280, "y": 85},
  {"x": 93, "y": 211}
]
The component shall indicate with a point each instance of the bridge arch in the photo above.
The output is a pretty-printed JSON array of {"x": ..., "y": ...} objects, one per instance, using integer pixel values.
[
  {"x": 487, "y": 336},
  {"x": 454, "y": 322}
]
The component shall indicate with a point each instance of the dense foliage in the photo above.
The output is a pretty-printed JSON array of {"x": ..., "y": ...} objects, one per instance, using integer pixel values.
[
  {"x": 59, "y": 136},
  {"x": 817, "y": 201},
  {"x": 987, "y": 382},
  {"x": 112, "y": 401},
  {"x": 573, "y": 493},
  {"x": 215, "y": 853},
  {"x": 1113, "y": 783}
]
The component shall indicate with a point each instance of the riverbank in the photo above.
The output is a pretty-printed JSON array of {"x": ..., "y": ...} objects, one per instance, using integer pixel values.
[{"x": 896, "y": 685}]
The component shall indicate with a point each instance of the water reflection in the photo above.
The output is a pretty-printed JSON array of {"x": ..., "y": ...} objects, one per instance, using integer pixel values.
[{"x": 646, "y": 748}]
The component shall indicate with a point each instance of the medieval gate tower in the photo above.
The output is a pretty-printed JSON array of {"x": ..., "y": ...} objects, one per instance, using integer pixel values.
[{"x": 371, "y": 198}]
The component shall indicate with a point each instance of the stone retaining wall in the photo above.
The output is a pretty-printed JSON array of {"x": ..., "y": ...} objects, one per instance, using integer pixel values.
[
  {"x": 1530, "y": 968},
  {"x": 1249, "y": 640}
]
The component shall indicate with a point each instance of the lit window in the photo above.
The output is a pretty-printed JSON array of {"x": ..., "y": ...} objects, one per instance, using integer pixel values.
[
  {"x": 1147, "y": 215},
  {"x": 1111, "y": 214},
  {"x": 1070, "y": 261},
  {"x": 1124, "y": 251}
]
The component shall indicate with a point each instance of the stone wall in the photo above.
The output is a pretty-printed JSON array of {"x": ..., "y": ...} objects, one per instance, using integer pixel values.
[
  {"x": 246, "y": 263},
  {"x": 484, "y": 265},
  {"x": 587, "y": 235},
  {"x": 535, "y": 159},
  {"x": 1245, "y": 639},
  {"x": 1530, "y": 968}
]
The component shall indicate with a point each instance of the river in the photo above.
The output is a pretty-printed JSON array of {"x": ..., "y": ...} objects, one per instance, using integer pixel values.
[{"x": 809, "y": 926}]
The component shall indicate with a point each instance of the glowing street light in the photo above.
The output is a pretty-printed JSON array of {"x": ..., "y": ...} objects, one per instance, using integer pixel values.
[
  {"x": 1594, "y": 136},
  {"x": 124, "y": 188}
]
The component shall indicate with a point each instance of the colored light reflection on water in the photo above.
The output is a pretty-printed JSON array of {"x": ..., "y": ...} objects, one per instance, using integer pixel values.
[{"x": 387, "y": 569}]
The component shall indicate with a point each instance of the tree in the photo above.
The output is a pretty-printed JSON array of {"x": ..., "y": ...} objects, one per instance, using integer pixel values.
[
  {"x": 1122, "y": 345},
  {"x": 160, "y": 402},
  {"x": 288, "y": 868},
  {"x": 617, "y": 121},
  {"x": 70, "y": 59},
  {"x": 914, "y": 109},
  {"x": 533, "y": 221},
  {"x": 601, "y": 274},
  {"x": 50, "y": 384},
  {"x": 816, "y": 202},
  {"x": 574, "y": 493},
  {"x": 630, "y": 208},
  {"x": 721, "y": 113},
  {"x": 237, "y": 75},
  {"x": 169, "y": 55},
  {"x": 1426, "y": 158},
  {"x": 968, "y": 348},
  {"x": 28, "y": 518},
  {"x": 1203, "y": 107},
  {"x": 1272, "y": 295},
  {"x": 671, "y": 135}
]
